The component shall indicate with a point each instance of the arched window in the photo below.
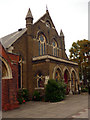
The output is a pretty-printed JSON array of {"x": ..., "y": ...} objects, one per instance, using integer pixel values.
[
  {"x": 54, "y": 44},
  {"x": 42, "y": 42},
  {"x": 6, "y": 69}
]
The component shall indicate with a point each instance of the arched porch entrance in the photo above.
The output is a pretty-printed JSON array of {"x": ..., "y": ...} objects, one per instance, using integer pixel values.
[
  {"x": 66, "y": 76},
  {"x": 67, "y": 80},
  {"x": 58, "y": 75}
]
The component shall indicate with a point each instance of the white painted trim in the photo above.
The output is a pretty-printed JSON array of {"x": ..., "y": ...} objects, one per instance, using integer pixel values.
[
  {"x": 54, "y": 58},
  {"x": 42, "y": 21},
  {"x": 53, "y": 28}
]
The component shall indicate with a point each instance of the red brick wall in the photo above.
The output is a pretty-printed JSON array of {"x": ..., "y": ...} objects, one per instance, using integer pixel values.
[
  {"x": 10, "y": 86},
  {"x": 9, "y": 100}
]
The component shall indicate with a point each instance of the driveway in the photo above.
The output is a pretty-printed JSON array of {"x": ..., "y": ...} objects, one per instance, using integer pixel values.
[{"x": 71, "y": 106}]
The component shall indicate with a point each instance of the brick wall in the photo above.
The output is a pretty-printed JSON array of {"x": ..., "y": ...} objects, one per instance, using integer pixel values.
[{"x": 10, "y": 85}]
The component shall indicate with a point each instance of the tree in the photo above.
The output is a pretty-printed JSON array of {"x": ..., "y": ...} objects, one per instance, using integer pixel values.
[{"x": 79, "y": 52}]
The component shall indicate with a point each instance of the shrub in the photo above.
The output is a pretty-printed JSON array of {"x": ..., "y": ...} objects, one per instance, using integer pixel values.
[
  {"x": 36, "y": 96},
  {"x": 55, "y": 91},
  {"x": 22, "y": 95},
  {"x": 84, "y": 89}
]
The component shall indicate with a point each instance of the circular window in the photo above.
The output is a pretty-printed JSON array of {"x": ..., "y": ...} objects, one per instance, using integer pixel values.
[
  {"x": 54, "y": 44},
  {"x": 42, "y": 38},
  {"x": 48, "y": 24}
]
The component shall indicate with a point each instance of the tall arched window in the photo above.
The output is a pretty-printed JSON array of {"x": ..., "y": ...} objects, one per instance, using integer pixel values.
[
  {"x": 54, "y": 44},
  {"x": 42, "y": 42}
]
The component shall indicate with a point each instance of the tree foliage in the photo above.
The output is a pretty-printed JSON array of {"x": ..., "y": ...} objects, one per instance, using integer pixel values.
[{"x": 79, "y": 52}]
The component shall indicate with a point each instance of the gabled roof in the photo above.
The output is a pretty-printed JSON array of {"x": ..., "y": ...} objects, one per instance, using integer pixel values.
[
  {"x": 8, "y": 40},
  {"x": 46, "y": 15}
]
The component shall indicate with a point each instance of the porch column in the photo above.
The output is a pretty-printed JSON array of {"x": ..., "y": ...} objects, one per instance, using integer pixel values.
[
  {"x": 46, "y": 79},
  {"x": 76, "y": 85},
  {"x": 70, "y": 87}
]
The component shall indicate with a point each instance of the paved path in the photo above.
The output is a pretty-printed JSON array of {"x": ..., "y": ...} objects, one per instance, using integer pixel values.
[{"x": 69, "y": 108}]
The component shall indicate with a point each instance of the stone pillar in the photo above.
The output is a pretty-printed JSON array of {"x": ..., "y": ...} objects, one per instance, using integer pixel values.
[
  {"x": 46, "y": 79},
  {"x": 70, "y": 87},
  {"x": 76, "y": 86}
]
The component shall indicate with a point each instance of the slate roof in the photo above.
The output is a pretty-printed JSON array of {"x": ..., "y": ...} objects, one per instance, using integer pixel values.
[{"x": 8, "y": 40}]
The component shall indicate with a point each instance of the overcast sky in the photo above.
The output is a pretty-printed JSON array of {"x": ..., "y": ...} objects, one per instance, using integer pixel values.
[{"x": 69, "y": 15}]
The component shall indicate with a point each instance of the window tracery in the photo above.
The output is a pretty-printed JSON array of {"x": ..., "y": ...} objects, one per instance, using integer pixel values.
[
  {"x": 42, "y": 42},
  {"x": 54, "y": 44}
]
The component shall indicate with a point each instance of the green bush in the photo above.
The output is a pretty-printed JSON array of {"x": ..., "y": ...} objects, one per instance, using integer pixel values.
[
  {"x": 84, "y": 89},
  {"x": 55, "y": 91},
  {"x": 36, "y": 96},
  {"x": 22, "y": 95}
]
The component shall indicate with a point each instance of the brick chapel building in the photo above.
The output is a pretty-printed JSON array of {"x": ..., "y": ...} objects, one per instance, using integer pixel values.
[{"x": 42, "y": 54}]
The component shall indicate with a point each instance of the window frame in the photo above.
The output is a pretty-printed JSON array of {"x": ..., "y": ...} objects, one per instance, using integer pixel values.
[{"x": 42, "y": 44}]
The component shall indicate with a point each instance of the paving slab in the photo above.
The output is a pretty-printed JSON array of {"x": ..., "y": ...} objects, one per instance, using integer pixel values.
[{"x": 72, "y": 105}]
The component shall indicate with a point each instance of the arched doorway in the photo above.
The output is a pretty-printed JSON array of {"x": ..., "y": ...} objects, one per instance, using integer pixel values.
[
  {"x": 67, "y": 80},
  {"x": 58, "y": 75},
  {"x": 66, "y": 76}
]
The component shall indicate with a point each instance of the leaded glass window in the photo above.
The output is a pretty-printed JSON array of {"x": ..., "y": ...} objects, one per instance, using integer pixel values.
[
  {"x": 54, "y": 44},
  {"x": 42, "y": 42}
]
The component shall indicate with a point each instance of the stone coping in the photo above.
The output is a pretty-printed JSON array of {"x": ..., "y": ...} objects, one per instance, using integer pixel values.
[{"x": 53, "y": 58}]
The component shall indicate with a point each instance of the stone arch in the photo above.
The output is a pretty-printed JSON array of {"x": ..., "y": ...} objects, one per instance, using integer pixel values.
[
  {"x": 65, "y": 68},
  {"x": 7, "y": 68},
  {"x": 54, "y": 39},
  {"x": 57, "y": 68},
  {"x": 41, "y": 32},
  {"x": 74, "y": 78},
  {"x": 74, "y": 71}
]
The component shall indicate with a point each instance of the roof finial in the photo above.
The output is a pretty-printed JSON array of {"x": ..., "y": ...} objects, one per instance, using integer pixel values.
[
  {"x": 61, "y": 33},
  {"x": 46, "y": 8}
]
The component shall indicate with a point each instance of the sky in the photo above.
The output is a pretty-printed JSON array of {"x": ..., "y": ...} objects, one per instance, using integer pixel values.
[{"x": 69, "y": 15}]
